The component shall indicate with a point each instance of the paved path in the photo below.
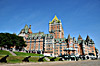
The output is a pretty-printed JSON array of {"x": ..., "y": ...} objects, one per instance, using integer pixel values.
[
  {"x": 59, "y": 63},
  {"x": 9, "y": 51},
  {"x": 12, "y": 53}
]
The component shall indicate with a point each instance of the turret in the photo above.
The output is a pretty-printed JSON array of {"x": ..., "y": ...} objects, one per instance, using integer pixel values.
[
  {"x": 55, "y": 28},
  {"x": 88, "y": 38},
  {"x": 74, "y": 40},
  {"x": 26, "y": 26},
  {"x": 69, "y": 38},
  {"x": 79, "y": 37},
  {"x": 30, "y": 31}
]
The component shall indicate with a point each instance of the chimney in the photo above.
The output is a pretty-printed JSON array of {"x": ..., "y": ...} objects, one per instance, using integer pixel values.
[{"x": 30, "y": 27}]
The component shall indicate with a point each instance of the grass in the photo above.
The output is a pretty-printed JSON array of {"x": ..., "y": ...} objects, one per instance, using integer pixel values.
[
  {"x": 3, "y": 53},
  {"x": 15, "y": 59},
  {"x": 18, "y": 59},
  {"x": 56, "y": 59},
  {"x": 27, "y": 54},
  {"x": 50, "y": 57},
  {"x": 34, "y": 59},
  {"x": 21, "y": 55}
]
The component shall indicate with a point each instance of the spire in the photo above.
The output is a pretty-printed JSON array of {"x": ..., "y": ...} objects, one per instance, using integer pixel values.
[
  {"x": 69, "y": 37},
  {"x": 88, "y": 38},
  {"x": 55, "y": 18},
  {"x": 79, "y": 37}
]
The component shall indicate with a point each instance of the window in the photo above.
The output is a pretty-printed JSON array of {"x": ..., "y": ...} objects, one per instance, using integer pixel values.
[
  {"x": 72, "y": 53},
  {"x": 60, "y": 47},
  {"x": 60, "y": 50},
  {"x": 33, "y": 37},
  {"x": 37, "y": 37},
  {"x": 60, "y": 54},
  {"x": 27, "y": 42},
  {"x": 30, "y": 41},
  {"x": 50, "y": 48},
  {"x": 57, "y": 26},
  {"x": 51, "y": 27},
  {"x": 76, "y": 53},
  {"x": 54, "y": 26},
  {"x": 57, "y": 45},
  {"x": 56, "y": 50},
  {"x": 75, "y": 45},
  {"x": 70, "y": 44}
]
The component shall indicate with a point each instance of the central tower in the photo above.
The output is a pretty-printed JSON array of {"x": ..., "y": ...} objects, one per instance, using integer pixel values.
[{"x": 55, "y": 28}]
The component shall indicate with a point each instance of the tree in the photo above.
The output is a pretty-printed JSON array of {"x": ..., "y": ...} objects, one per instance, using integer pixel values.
[
  {"x": 10, "y": 40},
  {"x": 1, "y": 40},
  {"x": 21, "y": 43}
]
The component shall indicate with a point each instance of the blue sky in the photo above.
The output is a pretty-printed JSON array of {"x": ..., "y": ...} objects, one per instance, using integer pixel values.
[{"x": 77, "y": 16}]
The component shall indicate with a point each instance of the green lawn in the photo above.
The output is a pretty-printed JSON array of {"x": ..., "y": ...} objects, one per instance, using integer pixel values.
[
  {"x": 27, "y": 54},
  {"x": 21, "y": 55},
  {"x": 18, "y": 59},
  {"x": 3, "y": 53},
  {"x": 56, "y": 59}
]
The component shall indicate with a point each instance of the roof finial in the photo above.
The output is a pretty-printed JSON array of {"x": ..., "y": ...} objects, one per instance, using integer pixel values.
[{"x": 55, "y": 18}]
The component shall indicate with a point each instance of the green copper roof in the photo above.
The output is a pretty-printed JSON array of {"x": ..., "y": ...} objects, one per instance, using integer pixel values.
[
  {"x": 26, "y": 27},
  {"x": 39, "y": 34}
]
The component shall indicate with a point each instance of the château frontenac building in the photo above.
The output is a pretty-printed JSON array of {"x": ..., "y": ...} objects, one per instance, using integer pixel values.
[{"x": 54, "y": 43}]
